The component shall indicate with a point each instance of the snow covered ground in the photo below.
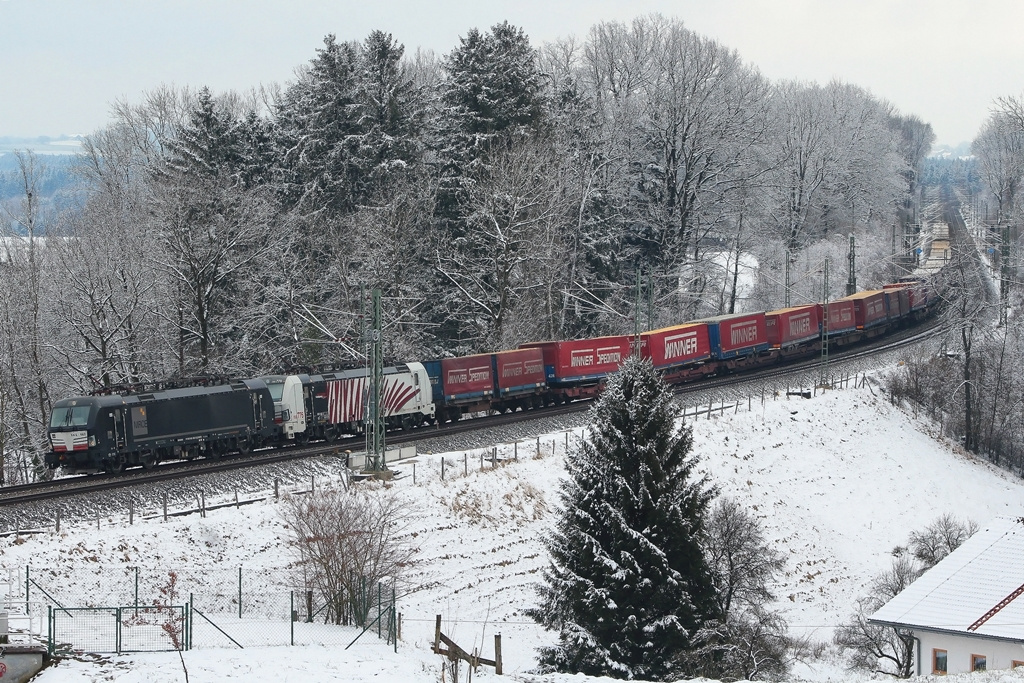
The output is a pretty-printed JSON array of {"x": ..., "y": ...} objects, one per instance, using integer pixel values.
[{"x": 838, "y": 480}]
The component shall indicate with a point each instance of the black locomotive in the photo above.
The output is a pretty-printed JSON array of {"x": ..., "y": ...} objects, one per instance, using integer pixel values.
[{"x": 111, "y": 432}]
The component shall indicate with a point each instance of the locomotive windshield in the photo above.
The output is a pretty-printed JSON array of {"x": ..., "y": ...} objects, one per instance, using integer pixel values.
[
  {"x": 70, "y": 416},
  {"x": 276, "y": 386}
]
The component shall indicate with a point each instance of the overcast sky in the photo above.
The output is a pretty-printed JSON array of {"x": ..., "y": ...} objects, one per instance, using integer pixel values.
[{"x": 62, "y": 62}]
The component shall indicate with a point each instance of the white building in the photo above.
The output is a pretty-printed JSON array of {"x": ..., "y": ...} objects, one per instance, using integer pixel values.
[{"x": 967, "y": 612}]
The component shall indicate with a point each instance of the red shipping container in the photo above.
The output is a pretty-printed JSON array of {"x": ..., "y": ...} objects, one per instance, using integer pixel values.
[
  {"x": 897, "y": 300},
  {"x": 788, "y": 326},
  {"x": 519, "y": 369},
  {"x": 868, "y": 308},
  {"x": 582, "y": 358},
  {"x": 917, "y": 294},
  {"x": 736, "y": 335},
  {"x": 467, "y": 376},
  {"x": 677, "y": 345},
  {"x": 842, "y": 317}
]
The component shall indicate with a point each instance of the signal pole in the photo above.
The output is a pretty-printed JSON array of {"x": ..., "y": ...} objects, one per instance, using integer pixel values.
[{"x": 374, "y": 412}]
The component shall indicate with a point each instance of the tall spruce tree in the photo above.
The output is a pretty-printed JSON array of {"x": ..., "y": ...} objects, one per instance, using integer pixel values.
[{"x": 628, "y": 585}]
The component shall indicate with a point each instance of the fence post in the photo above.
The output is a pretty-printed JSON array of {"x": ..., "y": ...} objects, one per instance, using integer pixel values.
[
  {"x": 566, "y": 441},
  {"x": 236, "y": 499},
  {"x": 276, "y": 482},
  {"x": 136, "y": 590},
  {"x": 239, "y": 592},
  {"x": 497, "y": 654},
  {"x": 414, "y": 474},
  {"x": 380, "y": 610},
  {"x": 291, "y": 616},
  {"x": 442, "y": 468},
  {"x": 538, "y": 446},
  {"x": 49, "y": 629},
  {"x": 58, "y": 520},
  {"x": 165, "y": 507},
  {"x": 131, "y": 511},
  {"x": 481, "y": 460},
  {"x": 27, "y": 598},
  {"x": 117, "y": 632},
  {"x": 515, "y": 451}
]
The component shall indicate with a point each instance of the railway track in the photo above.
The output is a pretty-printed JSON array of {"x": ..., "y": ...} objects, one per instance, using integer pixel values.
[{"x": 78, "y": 485}]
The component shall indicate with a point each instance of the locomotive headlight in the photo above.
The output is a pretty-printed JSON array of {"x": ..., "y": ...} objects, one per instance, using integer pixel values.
[{"x": 92, "y": 439}]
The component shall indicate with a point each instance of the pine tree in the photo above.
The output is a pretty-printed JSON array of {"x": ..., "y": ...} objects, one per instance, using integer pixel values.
[
  {"x": 318, "y": 123},
  {"x": 628, "y": 585},
  {"x": 207, "y": 144},
  {"x": 493, "y": 92}
]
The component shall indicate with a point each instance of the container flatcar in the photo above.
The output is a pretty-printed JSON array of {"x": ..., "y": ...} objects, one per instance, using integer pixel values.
[
  {"x": 869, "y": 309},
  {"x": 841, "y": 318},
  {"x": 788, "y": 327},
  {"x": 577, "y": 368},
  {"x": 520, "y": 381},
  {"x": 737, "y": 338},
  {"x": 680, "y": 352}
]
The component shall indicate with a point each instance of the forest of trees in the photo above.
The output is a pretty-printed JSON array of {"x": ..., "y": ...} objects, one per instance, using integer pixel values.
[
  {"x": 501, "y": 193},
  {"x": 975, "y": 389}
]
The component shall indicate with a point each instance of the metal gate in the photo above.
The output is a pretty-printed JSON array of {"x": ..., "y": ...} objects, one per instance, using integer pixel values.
[{"x": 118, "y": 629}]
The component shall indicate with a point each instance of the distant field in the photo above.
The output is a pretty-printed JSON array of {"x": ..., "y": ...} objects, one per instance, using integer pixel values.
[{"x": 43, "y": 144}]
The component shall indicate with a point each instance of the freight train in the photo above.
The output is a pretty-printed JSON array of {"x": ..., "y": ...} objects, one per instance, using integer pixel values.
[{"x": 111, "y": 432}]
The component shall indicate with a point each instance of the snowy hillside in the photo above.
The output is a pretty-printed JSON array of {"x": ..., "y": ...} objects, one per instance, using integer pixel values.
[{"x": 839, "y": 480}]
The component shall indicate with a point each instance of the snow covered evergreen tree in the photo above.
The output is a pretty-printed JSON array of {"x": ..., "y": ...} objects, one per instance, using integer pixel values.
[
  {"x": 628, "y": 584},
  {"x": 493, "y": 91}
]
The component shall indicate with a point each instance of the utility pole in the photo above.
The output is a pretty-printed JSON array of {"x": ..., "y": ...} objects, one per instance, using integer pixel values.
[
  {"x": 650, "y": 302},
  {"x": 1004, "y": 272},
  {"x": 636, "y": 314},
  {"x": 374, "y": 410},
  {"x": 824, "y": 323},
  {"x": 787, "y": 278},
  {"x": 851, "y": 282}
]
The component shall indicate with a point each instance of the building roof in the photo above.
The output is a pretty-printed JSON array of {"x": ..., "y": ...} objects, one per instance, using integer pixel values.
[{"x": 978, "y": 589}]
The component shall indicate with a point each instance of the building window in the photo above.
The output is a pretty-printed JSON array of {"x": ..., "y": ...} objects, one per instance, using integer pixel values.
[
  {"x": 977, "y": 662},
  {"x": 938, "y": 661}
]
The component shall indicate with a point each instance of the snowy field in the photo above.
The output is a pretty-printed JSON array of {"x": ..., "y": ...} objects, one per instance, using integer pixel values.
[{"x": 838, "y": 480}]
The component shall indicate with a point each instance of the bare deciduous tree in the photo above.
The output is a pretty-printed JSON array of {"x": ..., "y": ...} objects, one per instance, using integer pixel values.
[
  {"x": 749, "y": 642},
  {"x": 885, "y": 649},
  {"x": 346, "y": 541}
]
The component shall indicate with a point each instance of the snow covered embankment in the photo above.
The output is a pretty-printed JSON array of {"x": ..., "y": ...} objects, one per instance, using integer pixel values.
[{"x": 838, "y": 481}]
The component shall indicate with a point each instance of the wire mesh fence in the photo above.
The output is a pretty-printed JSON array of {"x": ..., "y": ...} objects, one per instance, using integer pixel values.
[{"x": 159, "y": 610}]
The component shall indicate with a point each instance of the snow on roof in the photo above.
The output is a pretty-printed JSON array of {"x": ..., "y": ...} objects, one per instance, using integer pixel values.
[{"x": 964, "y": 591}]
